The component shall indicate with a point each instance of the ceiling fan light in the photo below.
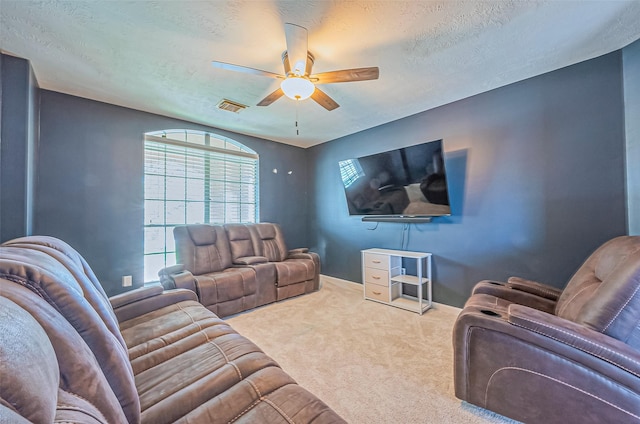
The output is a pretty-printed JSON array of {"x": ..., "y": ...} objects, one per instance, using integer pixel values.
[{"x": 297, "y": 88}]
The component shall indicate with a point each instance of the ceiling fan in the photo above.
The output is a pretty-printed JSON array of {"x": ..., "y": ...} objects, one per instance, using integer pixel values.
[{"x": 297, "y": 82}]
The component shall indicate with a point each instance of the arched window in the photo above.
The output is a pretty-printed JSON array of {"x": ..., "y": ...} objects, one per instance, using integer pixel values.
[{"x": 193, "y": 177}]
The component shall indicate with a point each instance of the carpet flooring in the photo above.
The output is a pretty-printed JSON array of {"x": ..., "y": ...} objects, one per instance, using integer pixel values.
[{"x": 370, "y": 362}]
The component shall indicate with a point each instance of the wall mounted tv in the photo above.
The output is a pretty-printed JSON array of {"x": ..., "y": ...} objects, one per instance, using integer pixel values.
[{"x": 402, "y": 185}]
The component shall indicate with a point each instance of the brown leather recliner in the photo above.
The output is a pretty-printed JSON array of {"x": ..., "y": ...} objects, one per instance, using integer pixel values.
[
  {"x": 239, "y": 266},
  {"x": 540, "y": 355},
  {"x": 206, "y": 268},
  {"x": 298, "y": 270},
  {"x": 262, "y": 245}
]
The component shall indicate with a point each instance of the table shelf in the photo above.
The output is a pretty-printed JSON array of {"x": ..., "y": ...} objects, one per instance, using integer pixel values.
[{"x": 408, "y": 279}]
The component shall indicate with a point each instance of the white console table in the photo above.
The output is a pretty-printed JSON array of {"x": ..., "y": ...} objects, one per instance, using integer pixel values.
[{"x": 383, "y": 278}]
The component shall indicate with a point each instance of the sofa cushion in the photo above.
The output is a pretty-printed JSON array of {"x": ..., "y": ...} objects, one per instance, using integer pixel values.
[
  {"x": 26, "y": 347},
  {"x": 34, "y": 390},
  {"x": 237, "y": 285},
  {"x": 202, "y": 248},
  {"x": 192, "y": 367},
  {"x": 268, "y": 241},
  {"x": 202, "y": 234},
  {"x": 79, "y": 372},
  {"x": 294, "y": 271},
  {"x": 289, "y": 403},
  {"x": 43, "y": 275},
  {"x": 74, "y": 409},
  {"x": 83, "y": 274},
  {"x": 240, "y": 241},
  {"x": 163, "y": 327}
]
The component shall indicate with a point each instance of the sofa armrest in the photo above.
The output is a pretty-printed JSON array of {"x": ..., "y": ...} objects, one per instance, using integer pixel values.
[
  {"x": 299, "y": 255},
  {"x": 577, "y": 336},
  {"x": 250, "y": 260},
  {"x": 176, "y": 277},
  {"x": 149, "y": 299},
  {"x": 298, "y": 250},
  {"x": 534, "y": 287}
]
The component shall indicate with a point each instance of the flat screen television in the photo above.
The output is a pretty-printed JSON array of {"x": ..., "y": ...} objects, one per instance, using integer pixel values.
[{"x": 401, "y": 184}]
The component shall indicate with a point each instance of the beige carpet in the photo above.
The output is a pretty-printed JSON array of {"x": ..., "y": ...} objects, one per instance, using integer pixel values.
[{"x": 370, "y": 362}]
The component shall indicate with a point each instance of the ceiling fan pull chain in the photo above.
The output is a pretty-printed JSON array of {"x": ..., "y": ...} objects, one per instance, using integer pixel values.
[{"x": 297, "y": 128}]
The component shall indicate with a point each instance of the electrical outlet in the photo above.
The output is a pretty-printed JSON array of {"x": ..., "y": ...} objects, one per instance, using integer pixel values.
[
  {"x": 403, "y": 271},
  {"x": 127, "y": 281}
]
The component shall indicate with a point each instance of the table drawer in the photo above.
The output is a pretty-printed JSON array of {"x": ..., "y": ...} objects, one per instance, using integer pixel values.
[
  {"x": 376, "y": 276},
  {"x": 373, "y": 260},
  {"x": 373, "y": 291}
]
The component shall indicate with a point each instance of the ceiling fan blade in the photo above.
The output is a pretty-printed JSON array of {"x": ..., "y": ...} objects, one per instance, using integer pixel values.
[
  {"x": 285, "y": 63},
  {"x": 271, "y": 97},
  {"x": 244, "y": 69},
  {"x": 297, "y": 46},
  {"x": 346, "y": 75},
  {"x": 324, "y": 100}
]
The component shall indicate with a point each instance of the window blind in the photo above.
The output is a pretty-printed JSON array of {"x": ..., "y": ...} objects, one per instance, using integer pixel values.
[{"x": 187, "y": 183}]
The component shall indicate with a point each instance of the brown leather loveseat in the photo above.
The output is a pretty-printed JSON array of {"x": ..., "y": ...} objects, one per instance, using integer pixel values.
[
  {"x": 236, "y": 267},
  {"x": 542, "y": 355},
  {"x": 69, "y": 354}
]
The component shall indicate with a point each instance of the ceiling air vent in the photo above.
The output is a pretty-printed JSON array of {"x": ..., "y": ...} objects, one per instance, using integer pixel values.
[{"x": 231, "y": 106}]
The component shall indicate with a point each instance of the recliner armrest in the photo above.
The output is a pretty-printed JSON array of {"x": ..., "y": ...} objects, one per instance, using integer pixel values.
[
  {"x": 173, "y": 269},
  {"x": 250, "y": 260},
  {"x": 135, "y": 295},
  {"x": 534, "y": 287},
  {"x": 577, "y": 336},
  {"x": 508, "y": 293},
  {"x": 147, "y": 299},
  {"x": 298, "y": 250}
]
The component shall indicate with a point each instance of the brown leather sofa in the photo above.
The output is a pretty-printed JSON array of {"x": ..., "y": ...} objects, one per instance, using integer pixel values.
[
  {"x": 237, "y": 267},
  {"x": 537, "y": 354},
  {"x": 70, "y": 354}
]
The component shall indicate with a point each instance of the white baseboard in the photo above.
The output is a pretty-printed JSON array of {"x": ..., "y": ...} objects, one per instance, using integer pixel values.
[
  {"x": 337, "y": 280},
  {"x": 436, "y": 305}
]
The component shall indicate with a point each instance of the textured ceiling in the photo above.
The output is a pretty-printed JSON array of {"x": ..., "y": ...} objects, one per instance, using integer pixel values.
[{"x": 155, "y": 55}]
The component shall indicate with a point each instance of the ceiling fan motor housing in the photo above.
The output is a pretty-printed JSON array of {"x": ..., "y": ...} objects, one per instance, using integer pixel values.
[{"x": 287, "y": 66}]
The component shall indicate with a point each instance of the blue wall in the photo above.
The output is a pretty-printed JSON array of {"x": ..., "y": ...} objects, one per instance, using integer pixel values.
[
  {"x": 90, "y": 187},
  {"x": 631, "y": 66},
  {"x": 536, "y": 173},
  {"x": 19, "y": 108}
]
